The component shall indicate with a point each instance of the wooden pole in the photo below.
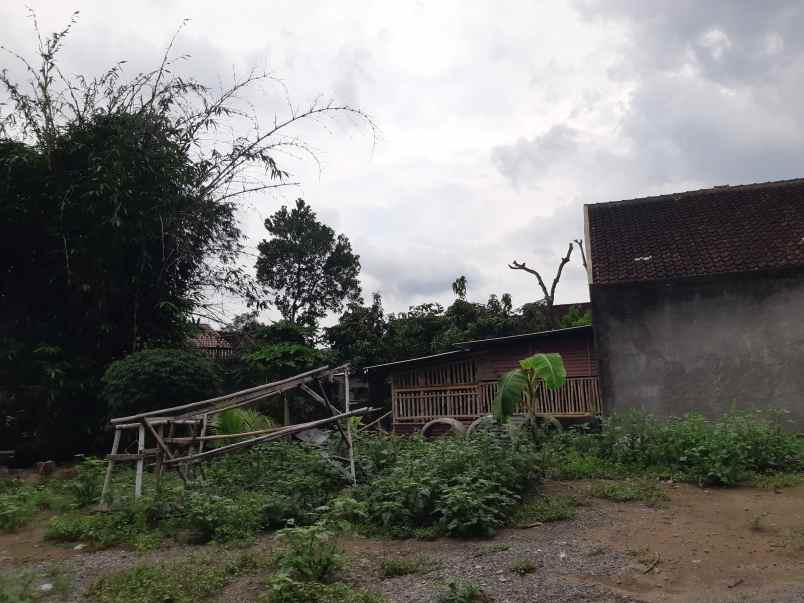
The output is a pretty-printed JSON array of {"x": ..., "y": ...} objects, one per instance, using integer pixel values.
[
  {"x": 140, "y": 461},
  {"x": 159, "y": 459},
  {"x": 349, "y": 426},
  {"x": 107, "y": 481}
]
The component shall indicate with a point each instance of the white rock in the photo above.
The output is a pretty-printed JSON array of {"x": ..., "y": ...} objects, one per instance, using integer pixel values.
[{"x": 46, "y": 587}]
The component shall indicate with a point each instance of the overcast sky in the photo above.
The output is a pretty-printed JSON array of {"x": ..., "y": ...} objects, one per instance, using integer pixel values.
[{"x": 498, "y": 120}]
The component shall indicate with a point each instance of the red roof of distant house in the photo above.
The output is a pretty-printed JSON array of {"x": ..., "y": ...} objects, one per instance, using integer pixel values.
[
  {"x": 721, "y": 230},
  {"x": 209, "y": 338}
]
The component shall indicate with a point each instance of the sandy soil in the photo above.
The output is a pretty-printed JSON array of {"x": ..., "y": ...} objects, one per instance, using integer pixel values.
[{"x": 704, "y": 546}]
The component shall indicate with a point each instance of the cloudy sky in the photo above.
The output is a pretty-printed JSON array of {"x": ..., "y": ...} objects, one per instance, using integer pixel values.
[{"x": 498, "y": 120}]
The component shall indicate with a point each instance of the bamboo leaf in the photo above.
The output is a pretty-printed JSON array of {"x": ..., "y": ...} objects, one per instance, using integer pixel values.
[
  {"x": 549, "y": 367},
  {"x": 512, "y": 385}
]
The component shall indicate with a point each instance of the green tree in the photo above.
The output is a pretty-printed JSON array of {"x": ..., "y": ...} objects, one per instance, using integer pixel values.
[
  {"x": 308, "y": 269},
  {"x": 358, "y": 336},
  {"x": 117, "y": 216}
]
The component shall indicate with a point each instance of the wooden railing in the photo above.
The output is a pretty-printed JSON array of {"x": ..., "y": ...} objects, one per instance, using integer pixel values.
[{"x": 578, "y": 397}]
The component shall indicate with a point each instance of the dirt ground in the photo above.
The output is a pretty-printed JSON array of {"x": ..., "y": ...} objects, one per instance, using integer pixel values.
[{"x": 704, "y": 545}]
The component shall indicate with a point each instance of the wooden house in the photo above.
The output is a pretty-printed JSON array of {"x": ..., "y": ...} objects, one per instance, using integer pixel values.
[{"x": 461, "y": 384}]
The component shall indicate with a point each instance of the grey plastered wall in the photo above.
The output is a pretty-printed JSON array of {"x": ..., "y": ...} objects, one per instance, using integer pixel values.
[{"x": 703, "y": 345}]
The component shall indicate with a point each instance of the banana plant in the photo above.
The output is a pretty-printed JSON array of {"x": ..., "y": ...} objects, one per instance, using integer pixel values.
[{"x": 522, "y": 385}]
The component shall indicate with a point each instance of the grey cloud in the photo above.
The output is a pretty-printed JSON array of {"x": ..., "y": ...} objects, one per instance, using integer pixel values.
[
  {"x": 527, "y": 159},
  {"x": 729, "y": 41}
]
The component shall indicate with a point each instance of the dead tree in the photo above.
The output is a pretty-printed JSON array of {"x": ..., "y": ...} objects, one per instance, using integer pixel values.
[
  {"x": 549, "y": 294},
  {"x": 579, "y": 243}
]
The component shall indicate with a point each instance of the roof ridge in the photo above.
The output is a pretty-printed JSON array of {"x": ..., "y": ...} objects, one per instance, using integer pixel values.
[{"x": 719, "y": 188}]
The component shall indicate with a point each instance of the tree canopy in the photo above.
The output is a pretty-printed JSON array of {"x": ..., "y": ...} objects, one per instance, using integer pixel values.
[
  {"x": 118, "y": 202},
  {"x": 308, "y": 269}
]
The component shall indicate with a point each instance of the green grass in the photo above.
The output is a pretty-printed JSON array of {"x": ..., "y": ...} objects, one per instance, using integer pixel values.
[
  {"x": 775, "y": 481},
  {"x": 646, "y": 491},
  {"x": 24, "y": 587},
  {"x": 392, "y": 568},
  {"x": 196, "y": 578},
  {"x": 545, "y": 509}
]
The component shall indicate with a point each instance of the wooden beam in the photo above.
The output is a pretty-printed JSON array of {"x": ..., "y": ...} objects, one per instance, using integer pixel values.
[
  {"x": 140, "y": 462},
  {"x": 193, "y": 458},
  {"x": 223, "y": 436},
  {"x": 161, "y": 443},
  {"x": 107, "y": 481}
]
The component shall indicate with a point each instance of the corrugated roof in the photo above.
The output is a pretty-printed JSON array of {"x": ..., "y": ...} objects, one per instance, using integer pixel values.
[
  {"x": 412, "y": 360},
  {"x": 477, "y": 342},
  {"x": 721, "y": 230}
]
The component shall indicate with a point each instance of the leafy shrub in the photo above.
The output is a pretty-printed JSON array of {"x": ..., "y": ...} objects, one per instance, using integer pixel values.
[
  {"x": 721, "y": 452},
  {"x": 308, "y": 553},
  {"x": 462, "y": 486},
  {"x": 221, "y": 518},
  {"x": 293, "y": 480},
  {"x": 157, "y": 378},
  {"x": 282, "y": 589}
]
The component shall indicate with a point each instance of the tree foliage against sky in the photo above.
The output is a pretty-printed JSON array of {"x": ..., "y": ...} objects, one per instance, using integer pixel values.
[
  {"x": 308, "y": 269},
  {"x": 118, "y": 199}
]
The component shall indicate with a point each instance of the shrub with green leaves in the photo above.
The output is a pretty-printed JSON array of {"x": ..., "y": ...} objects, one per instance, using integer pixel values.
[
  {"x": 308, "y": 553},
  {"x": 463, "y": 486},
  {"x": 157, "y": 378},
  {"x": 719, "y": 452}
]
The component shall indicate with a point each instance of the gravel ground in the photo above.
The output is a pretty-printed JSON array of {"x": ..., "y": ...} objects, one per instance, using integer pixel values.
[{"x": 703, "y": 547}]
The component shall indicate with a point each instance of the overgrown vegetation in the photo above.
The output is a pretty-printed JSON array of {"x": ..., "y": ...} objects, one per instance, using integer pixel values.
[
  {"x": 462, "y": 487},
  {"x": 545, "y": 509},
  {"x": 183, "y": 581},
  {"x": 404, "y": 566},
  {"x": 643, "y": 490},
  {"x": 723, "y": 452}
]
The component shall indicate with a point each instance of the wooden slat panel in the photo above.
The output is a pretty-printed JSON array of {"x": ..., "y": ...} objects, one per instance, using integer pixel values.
[{"x": 580, "y": 396}]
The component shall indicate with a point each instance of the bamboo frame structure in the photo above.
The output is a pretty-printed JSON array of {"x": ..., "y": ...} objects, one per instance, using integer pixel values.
[{"x": 181, "y": 452}]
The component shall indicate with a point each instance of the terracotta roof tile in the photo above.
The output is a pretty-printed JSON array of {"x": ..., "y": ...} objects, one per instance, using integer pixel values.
[{"x": 720, "y": 230}]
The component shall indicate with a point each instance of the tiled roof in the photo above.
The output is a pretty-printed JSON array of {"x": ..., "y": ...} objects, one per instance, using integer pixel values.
[{"x": 721, "y": 230}]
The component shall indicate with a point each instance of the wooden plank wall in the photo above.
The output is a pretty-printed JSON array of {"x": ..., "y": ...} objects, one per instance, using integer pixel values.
[{"x": 576, "y": 350}]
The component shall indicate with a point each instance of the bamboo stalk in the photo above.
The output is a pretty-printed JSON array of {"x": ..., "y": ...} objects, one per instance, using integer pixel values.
[
  {"x": 211, "y": 401},
  {"x": 140, "y": 462},
  {"x": 267, "y": 438},
  {"x": 107, "y": 481}
]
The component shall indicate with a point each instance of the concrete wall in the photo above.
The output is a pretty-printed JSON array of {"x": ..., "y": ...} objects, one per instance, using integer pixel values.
[{"x": 703, "y": 345}]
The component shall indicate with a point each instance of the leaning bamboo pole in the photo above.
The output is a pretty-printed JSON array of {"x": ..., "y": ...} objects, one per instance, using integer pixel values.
[{"x": 194, "y": 458}]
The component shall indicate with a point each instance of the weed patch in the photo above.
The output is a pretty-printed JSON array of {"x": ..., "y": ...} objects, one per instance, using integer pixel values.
[
  {"x": 392, "y": 568},
  {"x": 308, "y": 554},
  {"x": 283, "y": 589},
  {"x": 194, "y": 579},
  {"x": 462, "y": 592},
  {"x": 545, "y": 509},
  {"x": 775, "y": 481},
  {"x": 646, "y": 491}
]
